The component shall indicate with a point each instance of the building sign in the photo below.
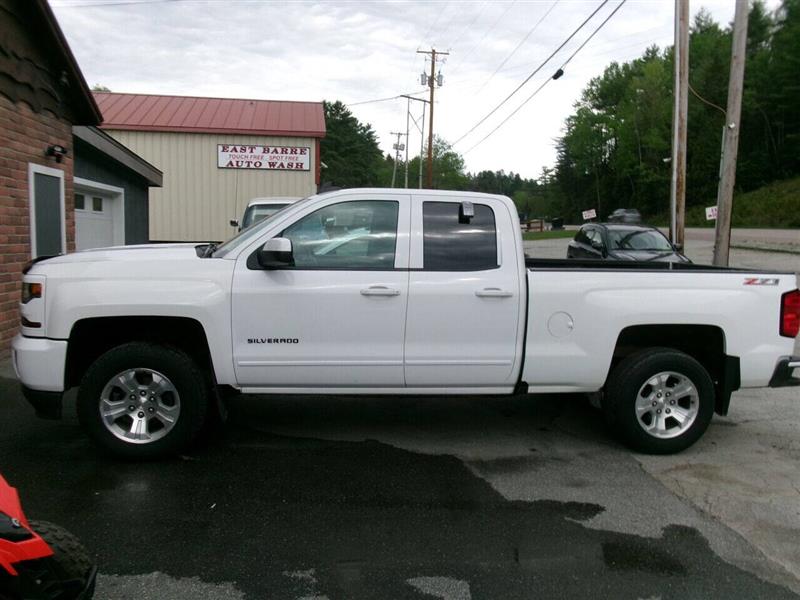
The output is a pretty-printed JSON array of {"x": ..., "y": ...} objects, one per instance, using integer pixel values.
[
  {"x": 286, "y": 158},
  {"x": 711, "y": 213},
  {"x": 589, "y": 214}
]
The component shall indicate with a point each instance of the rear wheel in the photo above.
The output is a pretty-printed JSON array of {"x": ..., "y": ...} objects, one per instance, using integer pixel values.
[
  {"x": 659, "y": 401},
  {"x": 143, "y": 400}
]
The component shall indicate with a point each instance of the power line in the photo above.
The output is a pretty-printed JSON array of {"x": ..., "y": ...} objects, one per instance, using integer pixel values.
[
  {"x": 468, "y": 25},
  {"x": 398, "y": 96},
  {"x": 559, "y": 72},
  {"x": 522, "y": 42},
  {"x": 486, "y": 33},
  {"x": 529, "y": 77},
  {"x": 114, "y": 3}
]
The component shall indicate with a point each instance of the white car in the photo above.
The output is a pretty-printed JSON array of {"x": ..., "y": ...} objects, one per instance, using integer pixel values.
[
  {"x": 261, "y": 208},
  {"x": 398, "y": 292}
]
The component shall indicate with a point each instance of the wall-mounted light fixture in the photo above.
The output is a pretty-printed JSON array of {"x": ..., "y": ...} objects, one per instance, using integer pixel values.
[{"x": 58, "y": 151}]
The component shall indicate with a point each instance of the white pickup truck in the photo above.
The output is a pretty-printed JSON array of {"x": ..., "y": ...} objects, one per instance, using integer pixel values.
[{"x": 375, "y": 291}]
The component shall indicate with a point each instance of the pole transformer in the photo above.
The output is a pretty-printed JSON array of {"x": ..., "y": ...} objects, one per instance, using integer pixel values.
[
  {"x": 398, "y": 147},
  {"x": 432, "y": 81}
]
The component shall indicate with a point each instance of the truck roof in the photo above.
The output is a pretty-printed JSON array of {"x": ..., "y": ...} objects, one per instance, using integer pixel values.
[{"x": 415, "y": 192}]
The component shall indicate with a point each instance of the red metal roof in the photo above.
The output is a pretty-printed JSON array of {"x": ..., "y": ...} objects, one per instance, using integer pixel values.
[{"x": 145, "y": 112}]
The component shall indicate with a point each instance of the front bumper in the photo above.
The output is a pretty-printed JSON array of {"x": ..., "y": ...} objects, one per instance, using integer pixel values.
[
  {"x": 39, "y": 362},
  {"x": 784, "y": 372}
]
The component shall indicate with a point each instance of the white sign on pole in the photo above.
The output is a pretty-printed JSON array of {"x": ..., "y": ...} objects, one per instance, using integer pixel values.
[
  {"x": 238, "y": 156},
  {"x": 711, "y": 213},
  {"x": 589, "y": 214}
]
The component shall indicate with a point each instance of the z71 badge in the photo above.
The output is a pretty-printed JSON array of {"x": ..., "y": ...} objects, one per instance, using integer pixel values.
[{"x": 761, "y": 281}]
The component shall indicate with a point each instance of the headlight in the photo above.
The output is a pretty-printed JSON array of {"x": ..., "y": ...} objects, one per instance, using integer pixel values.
[{"x": 30, "y": 291}]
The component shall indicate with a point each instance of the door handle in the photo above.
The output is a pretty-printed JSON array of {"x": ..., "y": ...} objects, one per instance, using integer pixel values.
[
  {"x": 493, "y": 293},
  {"x": 379, "y": 290}
]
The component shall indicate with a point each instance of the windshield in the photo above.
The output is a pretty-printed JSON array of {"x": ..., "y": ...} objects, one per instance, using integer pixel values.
[
  {"x": 258, "y": 212},
  {"x": 245, "y": 236},
  {"x": 638, "y": 239}
]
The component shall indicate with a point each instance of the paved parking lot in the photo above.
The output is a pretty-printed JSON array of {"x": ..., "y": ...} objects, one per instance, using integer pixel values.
[
  {"x": 452, "y": 498},
  {"x": 424, "y": 498}
]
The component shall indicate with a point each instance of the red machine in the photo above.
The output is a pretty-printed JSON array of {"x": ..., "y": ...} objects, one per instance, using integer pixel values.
[{"x": 39, "y": 560}]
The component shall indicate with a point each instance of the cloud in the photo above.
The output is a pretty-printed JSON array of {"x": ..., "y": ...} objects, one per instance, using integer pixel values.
[{"x": 358, "y": 50}]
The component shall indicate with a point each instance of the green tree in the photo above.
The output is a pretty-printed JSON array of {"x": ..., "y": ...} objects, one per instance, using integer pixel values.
[
  {"x": 616, "y": 145},
  {"x": 349, "y": 149}
]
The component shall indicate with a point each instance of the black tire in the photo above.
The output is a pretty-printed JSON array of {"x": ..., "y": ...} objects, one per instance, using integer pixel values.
[
  {"x": 70, "y": 562},
  {"x": 629, "y": 377},
  {"x": 182, "y": 372}
]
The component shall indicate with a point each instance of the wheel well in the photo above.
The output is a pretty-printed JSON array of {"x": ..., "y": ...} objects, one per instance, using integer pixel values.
[
  {"x": 704, "y": 343},
  {"x": 90, "y": 338}
]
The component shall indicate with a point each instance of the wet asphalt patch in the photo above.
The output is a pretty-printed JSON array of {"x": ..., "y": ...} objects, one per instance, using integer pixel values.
[{"x": 276, "y": 516}]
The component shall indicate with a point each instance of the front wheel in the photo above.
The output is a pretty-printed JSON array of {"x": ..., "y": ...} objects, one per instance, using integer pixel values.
[
  {"x": 143, "y": 400},
  {"x": 659, "y": 401}
]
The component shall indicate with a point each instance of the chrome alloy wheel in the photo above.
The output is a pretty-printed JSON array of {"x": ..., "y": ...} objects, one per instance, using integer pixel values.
[
  {"x": 139, "y": 406},
  {"x": 667, "y": 404}
]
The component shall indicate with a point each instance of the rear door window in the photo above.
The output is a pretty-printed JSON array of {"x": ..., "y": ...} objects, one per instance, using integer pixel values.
[{"x": 452, "y": 246}]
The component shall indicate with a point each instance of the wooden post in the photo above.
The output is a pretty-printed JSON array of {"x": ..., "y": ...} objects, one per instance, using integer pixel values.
[
  {"x": 730, "y": 141},
  {"x": 679, "y": 122}
]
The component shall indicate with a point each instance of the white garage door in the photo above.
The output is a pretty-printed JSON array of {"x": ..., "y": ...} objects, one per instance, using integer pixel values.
[{"x": 94, "y": 221}]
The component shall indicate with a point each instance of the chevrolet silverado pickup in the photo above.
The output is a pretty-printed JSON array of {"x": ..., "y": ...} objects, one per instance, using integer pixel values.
[{"x": 375, "y": 291}]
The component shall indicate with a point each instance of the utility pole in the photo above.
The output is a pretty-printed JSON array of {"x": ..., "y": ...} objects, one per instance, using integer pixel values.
[
  {"x": 421, "y": 135},
  {"x": 408, "y": 116},
  {"x": 397, "y": 148},
  {"x": 677, "y": 200},
  {"x": 730, "y": 137},
  {"x": 421, "y": 145},
  {"x": 432, "y": 81}
]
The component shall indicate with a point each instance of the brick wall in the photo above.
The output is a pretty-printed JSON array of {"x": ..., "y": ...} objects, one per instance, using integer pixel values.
[{"x": 24, "y": 137}]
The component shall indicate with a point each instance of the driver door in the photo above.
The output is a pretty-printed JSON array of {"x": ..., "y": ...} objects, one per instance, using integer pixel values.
[{"x": 336, "y": 319}]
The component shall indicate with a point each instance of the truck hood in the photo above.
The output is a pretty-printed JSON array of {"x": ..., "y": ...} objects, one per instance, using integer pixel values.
[{"x": 145, "y": 252}]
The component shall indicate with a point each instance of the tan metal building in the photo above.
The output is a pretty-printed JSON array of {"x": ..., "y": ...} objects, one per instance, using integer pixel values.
[{"x": 216, "y": 154}]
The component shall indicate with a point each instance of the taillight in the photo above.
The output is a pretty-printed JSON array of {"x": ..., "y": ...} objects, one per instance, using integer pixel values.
[{"x": 790, "y": 314}]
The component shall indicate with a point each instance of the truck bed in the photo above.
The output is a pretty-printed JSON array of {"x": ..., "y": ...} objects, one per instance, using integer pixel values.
[{"x": 560, "y": 264}]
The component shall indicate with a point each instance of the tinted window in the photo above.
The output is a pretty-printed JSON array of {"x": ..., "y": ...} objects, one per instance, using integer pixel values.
[
  {"x": 348, "y": 235},
  {"x": 452, "y": 246},
  {"x": 49, "y": 220}
]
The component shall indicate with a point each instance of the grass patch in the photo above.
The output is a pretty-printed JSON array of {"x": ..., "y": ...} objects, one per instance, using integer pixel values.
[
  {"x": 776, "y": 205},
  {"x": 547, "y": 235}
]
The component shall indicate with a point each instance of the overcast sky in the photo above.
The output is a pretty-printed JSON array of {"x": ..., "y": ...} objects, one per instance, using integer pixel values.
[{"x": 363, "y": 50}]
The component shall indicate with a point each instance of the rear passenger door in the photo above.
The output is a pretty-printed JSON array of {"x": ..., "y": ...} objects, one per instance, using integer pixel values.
[{"x": 465, "y": 295}]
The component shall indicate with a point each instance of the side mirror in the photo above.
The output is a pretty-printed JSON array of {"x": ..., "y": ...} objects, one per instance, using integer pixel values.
[
  {"x": 276, "y": 254},
  {"x": 600, "y": 247},
  {"x": 466, "y": 212},
  {"x": 234, "y": 222}
]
